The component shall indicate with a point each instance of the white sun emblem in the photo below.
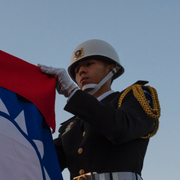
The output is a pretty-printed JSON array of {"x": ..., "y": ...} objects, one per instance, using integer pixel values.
[{"x": 20, "y": 157}]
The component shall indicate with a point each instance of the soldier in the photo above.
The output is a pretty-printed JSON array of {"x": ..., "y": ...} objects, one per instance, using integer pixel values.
[{"x": 108, "y": 135}]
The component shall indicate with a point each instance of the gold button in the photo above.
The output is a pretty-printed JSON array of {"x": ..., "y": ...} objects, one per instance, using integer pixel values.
[
  {"x": 81, "y": 172},
  {"x": 80, "y": 150},
  {"x": 84, "y": 133}
]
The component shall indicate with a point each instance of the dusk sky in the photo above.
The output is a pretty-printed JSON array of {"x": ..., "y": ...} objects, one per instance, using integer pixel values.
[{"x": 146, "y": 35}]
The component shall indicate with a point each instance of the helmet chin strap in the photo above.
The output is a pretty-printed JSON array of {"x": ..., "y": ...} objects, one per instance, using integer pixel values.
[{"x": 93, "y": 88}]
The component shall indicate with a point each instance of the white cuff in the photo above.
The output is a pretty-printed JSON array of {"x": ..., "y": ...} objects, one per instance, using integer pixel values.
[{"x": 72, "y": 94}]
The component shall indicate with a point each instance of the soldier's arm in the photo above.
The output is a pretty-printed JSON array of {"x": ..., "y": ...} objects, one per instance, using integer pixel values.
[
  {"x": 60, "y": 153},
  {"x": 118, "y": 125}
]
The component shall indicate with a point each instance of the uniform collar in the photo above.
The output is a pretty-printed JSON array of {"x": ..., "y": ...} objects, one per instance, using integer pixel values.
[{"x": 105, "y": 95}]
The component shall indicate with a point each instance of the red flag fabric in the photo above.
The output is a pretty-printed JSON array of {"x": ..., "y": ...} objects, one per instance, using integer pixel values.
[{"x": 27, "y": 80}]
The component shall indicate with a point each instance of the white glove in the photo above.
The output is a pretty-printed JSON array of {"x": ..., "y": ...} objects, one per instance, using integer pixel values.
[{"x": 64, "y": 85}]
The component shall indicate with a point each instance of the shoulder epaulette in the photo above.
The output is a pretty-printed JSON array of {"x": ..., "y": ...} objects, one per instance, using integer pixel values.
[{"x": 153, "y": 112}]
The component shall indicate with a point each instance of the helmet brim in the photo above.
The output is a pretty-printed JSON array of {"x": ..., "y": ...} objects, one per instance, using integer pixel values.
[{"x": 71, "y": 68}]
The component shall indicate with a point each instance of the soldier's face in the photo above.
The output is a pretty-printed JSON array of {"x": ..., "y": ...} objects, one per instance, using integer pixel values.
[{"x": 91, "y": 71}]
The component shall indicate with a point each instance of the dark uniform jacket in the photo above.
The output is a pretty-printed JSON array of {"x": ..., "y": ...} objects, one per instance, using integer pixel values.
[{"x": 101, "y": 138}]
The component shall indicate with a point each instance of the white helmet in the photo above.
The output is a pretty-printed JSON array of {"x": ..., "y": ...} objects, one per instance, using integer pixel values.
[{"x": 95, "y": 48}]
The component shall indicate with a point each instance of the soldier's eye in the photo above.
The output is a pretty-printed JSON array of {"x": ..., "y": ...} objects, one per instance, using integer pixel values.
[
  {"x": 90, "y": 63},
  {"x": 76, "y": 70}
]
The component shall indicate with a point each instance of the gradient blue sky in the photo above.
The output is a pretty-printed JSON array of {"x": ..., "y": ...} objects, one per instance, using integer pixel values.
[{"x": 146, "y": 35}]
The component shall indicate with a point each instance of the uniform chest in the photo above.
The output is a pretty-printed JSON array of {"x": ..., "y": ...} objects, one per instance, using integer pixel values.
[{"x": 77, "y": 133}]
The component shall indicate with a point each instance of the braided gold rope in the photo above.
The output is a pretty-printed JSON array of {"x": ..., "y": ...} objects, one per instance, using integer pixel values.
[
  {"x": 84, "y": 176},
  {"x": 140, "y": 96}
]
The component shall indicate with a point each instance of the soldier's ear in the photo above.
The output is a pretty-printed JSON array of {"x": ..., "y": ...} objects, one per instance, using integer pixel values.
[{"x": 111, "y": 67}]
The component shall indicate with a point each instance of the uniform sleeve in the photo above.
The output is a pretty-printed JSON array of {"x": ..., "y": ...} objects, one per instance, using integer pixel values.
[
  {"x": 127, "y": 123},
  {"x": 60, "y": 153}
]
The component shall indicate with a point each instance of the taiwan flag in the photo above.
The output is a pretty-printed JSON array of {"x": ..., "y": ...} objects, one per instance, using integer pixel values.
[{"x": 27, "y": 117}]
